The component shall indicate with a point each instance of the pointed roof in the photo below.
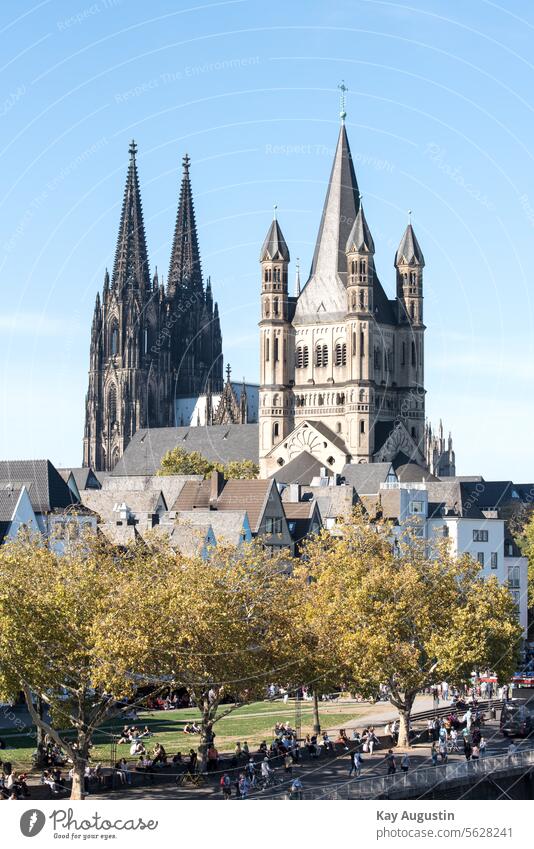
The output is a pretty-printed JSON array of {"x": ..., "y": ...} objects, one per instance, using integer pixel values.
[
  {"x": 185, "y": 270},
  {"x": 324, "y": 292},
  {"x": 409, "y": 251},
  {"x": 360, "y": 238},
  {"x": 131, "y": 258},
  {"x": 274, "y": 247}
]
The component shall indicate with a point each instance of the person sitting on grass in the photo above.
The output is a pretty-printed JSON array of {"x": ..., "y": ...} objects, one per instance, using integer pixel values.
[
  {"x": 137, "y": 748},
  {"x": 213, "y": 759},
  {"x": 191, "y": 728},
  {"x": 159, "y": 755}
]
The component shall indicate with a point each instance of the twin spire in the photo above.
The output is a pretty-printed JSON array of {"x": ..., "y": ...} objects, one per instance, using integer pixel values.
[{"x": 131, "y": 258}]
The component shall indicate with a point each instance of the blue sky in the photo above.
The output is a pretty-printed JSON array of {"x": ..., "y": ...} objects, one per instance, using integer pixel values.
[{"x": 440, "y": 121}]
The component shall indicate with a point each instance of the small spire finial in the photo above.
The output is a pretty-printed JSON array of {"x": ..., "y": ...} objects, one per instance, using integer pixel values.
[
  {"x": 297, "y": 278},
  {"x": 185, "y": 162},
  {"x": 275, "y": 207},
  {"x": 228, "y": 372},
  {"x": 342, "y": 113},
  {"x": 132, "y": 149},
  {"x": 409, "y": 216}
]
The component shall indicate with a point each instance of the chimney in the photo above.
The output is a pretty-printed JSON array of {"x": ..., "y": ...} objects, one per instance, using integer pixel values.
[
  {"x": 216, "y": 487},
  {"x": 294, "y": 493}
]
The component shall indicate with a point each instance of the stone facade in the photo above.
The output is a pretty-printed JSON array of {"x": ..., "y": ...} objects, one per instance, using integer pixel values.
[
  {"x": 149, "y": 343},
  {"x": 341, "y": 353}
]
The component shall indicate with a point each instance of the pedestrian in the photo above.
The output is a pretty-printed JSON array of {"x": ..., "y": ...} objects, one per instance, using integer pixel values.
[
  {"x": 405, "y": 763},
  {"x": 475, "y": 753},
  {"x": 442, "y": 747},
  {"x": 454, "y": 740},
  {"x": 226, "y": 786},
  {"x": 355, "y": 764},
  {"x": 391, "y": 762},
  {"x": 295, "y": 790},
  {"x": 482, "y": 746},
  {"x": 244, "y": 786},
  {"x": 467, "y": 748},
  {"x": 434, "y": 753},
  {"x": 372, "y": 740},
  {"x": 288, "y": 764}
]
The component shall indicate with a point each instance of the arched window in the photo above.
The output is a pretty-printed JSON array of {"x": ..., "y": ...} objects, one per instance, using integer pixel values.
[
  {"x": 321, "y": 355},
  {"x": 267, "y": 349},
  {"x": 362, "y": 300},
  {"x": 276, "y": 352},
  {"x": 362, "y": 343},
  {"x": 414, "y": 356},
  {"x": 363, "y": 270},
  {"x": 362, "y": 395},
  {"x": 338, "y": 427},
  {"x": 275, "y": 306},
  {"x": 301, "y": 360},
  {"x": 353, "y": 267},
  {"x": 412, "y": 311},
  {"x": 362, "y": 426},
  {"x": 112, "y": 404},
  {"x": 114, "y": 338},
  {"x": 341, "y": 354},
  {"x": 276, "y": 430},
  {"x": 266, "y": 276}
]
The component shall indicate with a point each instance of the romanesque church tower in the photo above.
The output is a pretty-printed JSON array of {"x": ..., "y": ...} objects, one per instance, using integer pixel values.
[
  {"x": 342, "y": 364},
  {"x": 149, "y": 344}
]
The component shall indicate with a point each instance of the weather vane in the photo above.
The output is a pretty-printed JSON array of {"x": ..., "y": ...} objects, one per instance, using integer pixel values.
[
  {"x": 343, "y": 88},
  {"x": 275, "y": 207}
]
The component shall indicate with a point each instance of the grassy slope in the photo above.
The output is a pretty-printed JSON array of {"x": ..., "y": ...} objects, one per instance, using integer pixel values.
[{"x": 253, "y": 723}]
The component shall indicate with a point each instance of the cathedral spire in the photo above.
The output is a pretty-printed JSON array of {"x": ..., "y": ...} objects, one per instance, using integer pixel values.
[
  {"x": 185, "y": 270},
  {"x": 409, "y": 251},
  {"x": 360, "y": 239},
  {"x": 339, "y": 213},
  {"x": 131, "y": 259}
]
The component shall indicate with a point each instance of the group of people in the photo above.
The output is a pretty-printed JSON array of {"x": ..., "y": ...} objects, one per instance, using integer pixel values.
[{"x": 12, "y": 783}]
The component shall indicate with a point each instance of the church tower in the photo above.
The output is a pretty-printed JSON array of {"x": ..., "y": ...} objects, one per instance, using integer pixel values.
[
  {"x": 126, "y": 381},
  {"x": 360, "y": 251},
  {"x": 196, "y": 344},
  {"x": 276, "y": 341},
  {"x": 149, "y": 344},
  {"x": 409, "y": 264}
]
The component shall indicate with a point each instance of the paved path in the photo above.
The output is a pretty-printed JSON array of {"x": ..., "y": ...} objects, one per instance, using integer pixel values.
[{"x": 321, "y": 775}]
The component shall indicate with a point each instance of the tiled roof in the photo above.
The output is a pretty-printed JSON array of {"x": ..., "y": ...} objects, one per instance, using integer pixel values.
[
  {"x": 249, "y": 495},
  {"x": 193, "y": 495},
  {"x": 103, "y": 501},
  {"x": 46, "y": 488},
  {"x": 220, "y": 443},
  {"x": 226, "y": 525}
]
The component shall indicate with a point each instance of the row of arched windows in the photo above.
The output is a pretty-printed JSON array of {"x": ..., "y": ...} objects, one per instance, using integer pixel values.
[{"x": 274, "y": 275}]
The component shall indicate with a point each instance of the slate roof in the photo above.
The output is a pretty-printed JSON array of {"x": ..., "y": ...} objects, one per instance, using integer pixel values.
[
  {"x": 299, "y": 516},
  {"x": 221, "y": 443},
  {"x": 82, "y": 476},
  {"x": 360, "y": 238},
  {"x": 329, "y": 434},
  {"x": 102, "y": 501},
  {"x": 46, "y": 488},
  {"x": 226, "y": 525},
  {"x": 274, "y": 246},
  {"x": 409, "y": 251},
  {"x": 119, "y": 534},
  {"x": 302, "y": 469},
  {"x": 413, "y": 473},
  {"x": 188, "y": 540},
  {"x": 333, "y": 501},
  {"x": 8, "y": 501},
  {"x": 169, "y": 485},
  {"x": 366, "y": 477}
]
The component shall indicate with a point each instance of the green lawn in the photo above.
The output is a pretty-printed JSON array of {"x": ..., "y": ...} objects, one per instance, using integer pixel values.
[{"x": 253, "y": 723}]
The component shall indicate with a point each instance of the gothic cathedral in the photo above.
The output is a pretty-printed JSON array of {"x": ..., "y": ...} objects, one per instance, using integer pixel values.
[
  {"x": 150, "y": 343},
  {"x": 341, "y": 364}
]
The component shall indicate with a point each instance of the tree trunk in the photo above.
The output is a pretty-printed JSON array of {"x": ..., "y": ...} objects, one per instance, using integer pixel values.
[
  {"x": 316, "y": 720},
  {"x": 405, "y": 710},
  {"x": 78, "y": 779}
]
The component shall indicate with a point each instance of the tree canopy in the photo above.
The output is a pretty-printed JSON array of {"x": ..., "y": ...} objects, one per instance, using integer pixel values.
[
  {"x": 404, "y": 616},
  {"x": 180, "y": 462}
]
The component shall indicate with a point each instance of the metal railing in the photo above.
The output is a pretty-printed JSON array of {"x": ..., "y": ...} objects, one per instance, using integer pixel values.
[{"x": 424, "y": 779}]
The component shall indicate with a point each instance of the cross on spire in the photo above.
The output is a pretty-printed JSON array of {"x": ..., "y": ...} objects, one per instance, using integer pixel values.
[
  {"x": 186, "y": 161},
  {"x": 228, "y": 372},
  {"x": 342, "y": 113},
  {"x": 132, "y": 149}
]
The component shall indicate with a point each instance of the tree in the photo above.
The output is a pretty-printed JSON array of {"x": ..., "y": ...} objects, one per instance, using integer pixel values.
[
  {"x": 179, "y": 462},
  {"x": 402, "y": 616},
  {"x": 52, "y": 646},
  {"x": 525, "y": 540},
  {"x": 222, "y": 628}
]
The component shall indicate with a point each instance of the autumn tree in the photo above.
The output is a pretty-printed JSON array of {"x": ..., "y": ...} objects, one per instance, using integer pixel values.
[
  {"x": 399, "y": 615},
  {"x": 52, "y": 646},
  {"x": 180, "y": 462},
  {"x": 525, "y": 540},
  {"x": 222, "y": 628}
]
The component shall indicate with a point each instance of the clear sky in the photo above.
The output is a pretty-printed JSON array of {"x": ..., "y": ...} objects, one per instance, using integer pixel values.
[{"x": 440, "y": 120}]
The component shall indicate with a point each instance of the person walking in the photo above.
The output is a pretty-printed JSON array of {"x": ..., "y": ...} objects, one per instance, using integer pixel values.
[
  {"x": 405, "y": 763},
  {"x": 391, "y": 763},
  {"x": 226, "y": 786},
  {"x": 355, "y": 764},
  {"x": 434, "y": 753}
]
